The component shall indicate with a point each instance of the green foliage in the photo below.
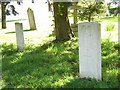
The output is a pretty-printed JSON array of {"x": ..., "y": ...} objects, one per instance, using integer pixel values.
[
  {"x": 110, "y": 27},
  {"x": 112, "y": 10},
  {"x": 91, "y": 10},
  {"x": 55, "y": 65},
  {"x": 62, "y": 5}
]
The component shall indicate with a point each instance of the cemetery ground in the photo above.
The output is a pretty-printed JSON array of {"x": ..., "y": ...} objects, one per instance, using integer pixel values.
[{"x": 48, "y": 64}]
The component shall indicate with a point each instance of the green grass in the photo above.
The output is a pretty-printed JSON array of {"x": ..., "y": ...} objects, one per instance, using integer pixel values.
[
  {"x": 55, "y": 65},
  {"x": 16, "y": 20},
  {"x": 111, "y": 19},
  {"x": 48, "y": 64}
]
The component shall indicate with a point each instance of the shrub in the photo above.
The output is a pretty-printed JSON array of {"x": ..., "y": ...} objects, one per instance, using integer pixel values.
[{"x": 110, "y": 27}]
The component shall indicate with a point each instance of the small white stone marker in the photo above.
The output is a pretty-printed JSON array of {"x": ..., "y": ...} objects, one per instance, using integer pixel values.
[
  {"x": 31, "y": 19},
  {"x": 89, "y": 50},
  {"x": 19, "y": 36}
]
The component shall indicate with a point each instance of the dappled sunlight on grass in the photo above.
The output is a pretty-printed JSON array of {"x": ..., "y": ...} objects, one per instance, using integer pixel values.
[
  {"x": 43, "y": 63},
  {"x": 30, "y": 36},
  {"x": 55, "y": 65},
  {"x": 112, "y": 72},
  {"x": 17, "y": 58},
  {"x": 62, "y": 81}
]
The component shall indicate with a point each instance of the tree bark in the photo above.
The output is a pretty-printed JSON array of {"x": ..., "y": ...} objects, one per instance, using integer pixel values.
[
  {"x": 89, "y": 18},
  {"x": 62, "y": 27},
  {"x": 3, "y": 6}
]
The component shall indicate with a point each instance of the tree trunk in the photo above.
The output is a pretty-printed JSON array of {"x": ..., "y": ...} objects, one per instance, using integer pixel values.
[
  {"x": 62, "y": 26},
  {"x": 89, "y": 18},
  {"x": 3, "y": 6}
]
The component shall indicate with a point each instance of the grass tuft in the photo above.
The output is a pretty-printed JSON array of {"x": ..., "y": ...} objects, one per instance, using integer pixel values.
[{"x": 110, "y": 27}]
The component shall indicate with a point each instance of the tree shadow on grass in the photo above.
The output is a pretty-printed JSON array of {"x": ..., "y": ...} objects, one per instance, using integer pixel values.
[
  {"x": 53, "y": 65},
  {"x": 15, "y": 20},
  {"x": 40, "y": 67},
  {"x": 23, "y": 31}
]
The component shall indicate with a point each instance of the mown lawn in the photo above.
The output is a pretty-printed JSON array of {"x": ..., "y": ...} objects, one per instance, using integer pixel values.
[
  {"x": 49, "y": 64},
  {"x": 55, "y": 65}
]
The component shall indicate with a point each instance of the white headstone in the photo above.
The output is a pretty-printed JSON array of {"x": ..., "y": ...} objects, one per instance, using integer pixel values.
[
  {"x": 19, "y": 36},
  {"x": 89, "y": 50},
  {"x": 31, "y": 19}
]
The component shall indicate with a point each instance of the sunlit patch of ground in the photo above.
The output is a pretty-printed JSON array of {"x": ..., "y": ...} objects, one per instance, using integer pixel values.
[
  {"x": 34, "y": 36},
  {"x": 43, "y": 23},
  {"x": 31, "y": 36}
]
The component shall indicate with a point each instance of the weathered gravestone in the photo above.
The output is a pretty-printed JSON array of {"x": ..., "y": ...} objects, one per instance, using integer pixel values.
[
  {"x": 90, "y": 50},
  {"x": 31, "y": 19},
  {"x": 19, "y": 36}
]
